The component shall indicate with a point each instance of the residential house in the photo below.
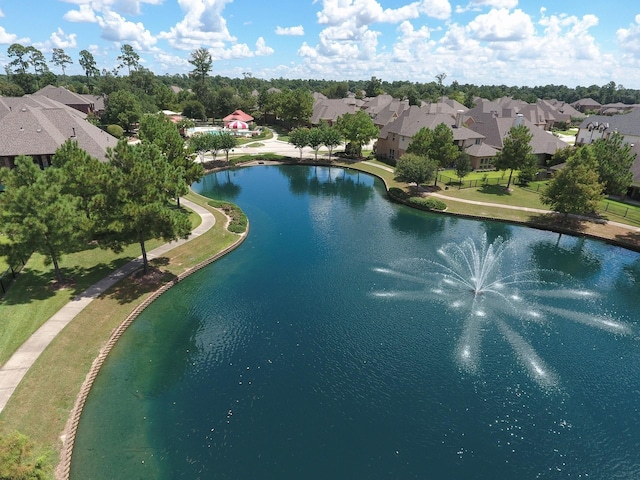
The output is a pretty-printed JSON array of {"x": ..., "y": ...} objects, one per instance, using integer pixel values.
[
  {"x": 81, "y": 103},
  {"x": 602, "y": 126},
  {"x": 395, "y": 137},
  {"x": 586, "y": 104},
  {"x": 495, "y": 128},
  {"x": 37, "y": 126},
  {"x": 328, "y": 110}
]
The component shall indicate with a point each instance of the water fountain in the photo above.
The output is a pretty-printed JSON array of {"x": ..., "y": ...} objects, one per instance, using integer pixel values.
[{"x": 478, "y": 279}]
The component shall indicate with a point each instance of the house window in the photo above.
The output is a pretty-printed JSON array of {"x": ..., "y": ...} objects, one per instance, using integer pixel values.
[
  {"x": 393, "y": 137},
  {"x": 392, "y": 154},
  {"x": 478, "y": 141}
]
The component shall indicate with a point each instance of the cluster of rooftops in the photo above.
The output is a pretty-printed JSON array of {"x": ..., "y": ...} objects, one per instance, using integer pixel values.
[{"x": 38, "y": 124}]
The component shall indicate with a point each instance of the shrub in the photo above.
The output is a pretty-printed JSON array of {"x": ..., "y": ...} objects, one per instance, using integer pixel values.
[
  {"x": 238, "y": 223},
  {"x": 398, "y": 193},
  {"x": 429, "y": 203},
  {"x": 115, "y": 130}
]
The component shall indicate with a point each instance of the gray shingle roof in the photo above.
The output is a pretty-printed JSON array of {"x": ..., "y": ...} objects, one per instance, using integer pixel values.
[
  {"x": 38, "y": 126},
  {"x": 62, "y": 95},
  {"x": 625, "y": 124}
]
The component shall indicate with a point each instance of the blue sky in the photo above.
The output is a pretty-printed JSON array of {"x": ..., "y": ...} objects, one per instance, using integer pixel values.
[{"x": 492, "y": 42}]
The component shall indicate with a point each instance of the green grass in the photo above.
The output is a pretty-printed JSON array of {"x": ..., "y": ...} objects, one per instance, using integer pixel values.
[
  {"x": 33, "y": 297},
  {"x": 516, "y": 196},
  {"x": 42, "y": 402}
]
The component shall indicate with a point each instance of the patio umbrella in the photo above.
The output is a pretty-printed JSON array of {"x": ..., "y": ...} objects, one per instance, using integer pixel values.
[{"x": 238, "y": 125}]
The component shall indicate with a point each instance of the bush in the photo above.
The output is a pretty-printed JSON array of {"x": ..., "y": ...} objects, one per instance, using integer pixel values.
[
  {"x": 115, "y": 130},
  {"x": 16, "y": 459},
  {"x": 428, "y": 203},
  {"x": 239, "y": 221},
  {"x": 398, "y": 193}
]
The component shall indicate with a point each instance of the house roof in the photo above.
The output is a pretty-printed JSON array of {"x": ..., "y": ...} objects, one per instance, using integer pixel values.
[
  {"x": 410, "y": 121},
  {"x": 329, "y": 109},
  {"x": 481, "y": 150},
  {"x": 238, "y": 115},
  {"x": 625, "y": 124},
  {"x": 586, "y": 102},
  {"x": 62, "y": 95},
  {"x": 31, "y": 126},
  {"x": 495, "y": 129}
]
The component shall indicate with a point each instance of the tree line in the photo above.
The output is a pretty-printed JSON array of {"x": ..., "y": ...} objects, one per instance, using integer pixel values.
[
  {"x": 212, "y": 96},
  {"x": 131, "y": 198}
]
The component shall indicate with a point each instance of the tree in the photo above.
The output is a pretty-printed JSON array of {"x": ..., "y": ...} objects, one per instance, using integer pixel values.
[
  {"x": 575, "y": 189},
  {"x": 615, "y": 159},
  {"x": 442, "y": 149},
  {"x": 138, "y": 204},
  {"x": 462, "y": 165},
  {"x": 162, "y": 132},
  {"x": 203, "y": 143},
  {"x": 82, "y": 173},
  {"x": 122, "y": 108},
  {"x": 331, "y": 137},
  {"x": 61, "y": 59},
  {"x": 295, "y": 107},
  {"x": 515, "y": 151},
  {"x": 357, "y": 128},
  {"x": 37, "y": 215},
  {"x": 37, "y": 61},
  {"x": 227, "y": 142},
  {"x": 202, "y": 62},
  {"x": 416, "y": 168},
  {"x": 373, "y": 87},
  {"x": 88, "y": 64},
  {"x": 299, "y": 137},
  {"x": 16, "y": 459},
  {"x": 20, "y": 61},
  {"x": 193, "y": 109},
  {"x": 129, "y": 58},
  {"x": 315, "y": 140}
]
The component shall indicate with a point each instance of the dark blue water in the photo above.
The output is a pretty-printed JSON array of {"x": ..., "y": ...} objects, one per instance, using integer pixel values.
[{"x": 329, "y": 346}]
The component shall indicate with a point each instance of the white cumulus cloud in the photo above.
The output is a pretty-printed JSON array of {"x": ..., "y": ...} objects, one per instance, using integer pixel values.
[
  {"x": 290, "y": 31},
  {"x": 502, "y": 25},
  {"x": 629, "y": 38}
]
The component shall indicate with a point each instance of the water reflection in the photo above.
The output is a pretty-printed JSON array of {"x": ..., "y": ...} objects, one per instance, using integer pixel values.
[{"x": 327, "y": 181}]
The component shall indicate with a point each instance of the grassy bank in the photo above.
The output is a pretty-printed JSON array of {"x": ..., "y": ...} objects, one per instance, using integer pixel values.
[{"x": 41, "y": 404}]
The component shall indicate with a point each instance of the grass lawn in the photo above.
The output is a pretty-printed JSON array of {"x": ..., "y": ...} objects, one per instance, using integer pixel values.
[
  {"x": 516, "y": 195},
  {"x": 42, "y": 402}
]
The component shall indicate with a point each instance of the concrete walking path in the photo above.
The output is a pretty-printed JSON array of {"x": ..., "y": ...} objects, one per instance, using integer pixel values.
[
  {"x": 14, "y": 370},
  {"x": 511, "y": 207}
]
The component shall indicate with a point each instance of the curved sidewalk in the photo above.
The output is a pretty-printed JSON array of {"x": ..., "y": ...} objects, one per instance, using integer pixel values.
[
  {"x": 510, "y": 207},
  {"x": 12, "y": 372}
]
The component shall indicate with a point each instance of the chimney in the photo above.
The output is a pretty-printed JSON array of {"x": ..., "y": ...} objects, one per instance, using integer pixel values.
[
  {"x": 459, "y": 118},
  {"x": 73, "y": 135},
  {"x": 519, "y": 120}
]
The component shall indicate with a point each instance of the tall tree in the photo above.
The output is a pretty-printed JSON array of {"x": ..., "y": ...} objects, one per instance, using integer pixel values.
[
  {"x": 128, "y": 57},
  {"x": 357, "y": 128},
  {"x": 575, "y": 189},
  {"x": 202, "y": 63},
  {"x": 161, "y": 131},
  {"x": 37, "y": 215},
  {"x": 442, "y": 150},
  {"x": 20, "y": 56},
  {"x": 295, "y": 106},
  {"x": 373, "y": 87},
  {"x": 82, "y": 174},
  {"x": 516, "y": 150},
  {"x": 122, "y": 108},
  {"x": 88, "y": 64},
  {"x": 614, "y": 159},
  {"x": 37, "y": 61},
  {"x": 138, "y": 206},
  {"x": 60, "y": 59}
]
